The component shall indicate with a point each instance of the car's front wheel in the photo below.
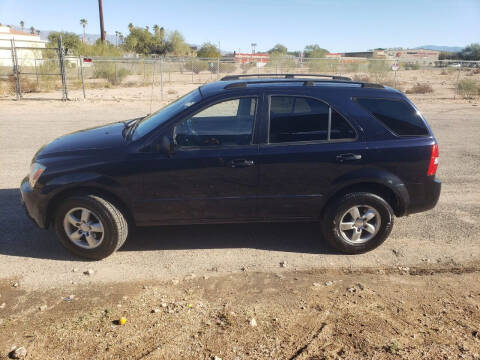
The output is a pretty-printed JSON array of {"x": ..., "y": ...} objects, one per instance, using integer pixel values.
[
  {"x": 358, "y": 222},
  {"x": 90, "y": 226}
]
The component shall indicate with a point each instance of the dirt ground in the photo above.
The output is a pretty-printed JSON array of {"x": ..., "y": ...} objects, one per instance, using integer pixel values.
[
  {"x": 409, "y": 313},
  {"x": 421, "y": 291}
]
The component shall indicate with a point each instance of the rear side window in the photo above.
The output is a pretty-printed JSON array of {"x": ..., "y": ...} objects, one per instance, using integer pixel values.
[
  {"x": 397, "y": 115},
  {"x": 297, "y": 119}
]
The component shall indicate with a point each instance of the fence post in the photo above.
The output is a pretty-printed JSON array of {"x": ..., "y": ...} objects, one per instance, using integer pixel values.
[
  {"x": 153, "y": 81},
  {"x": 36, "y": 73},
  {"x": 63, "y": 76},
  {"x": 192, "y": 69},
  {"x": 16, "y": 72},
  {"x": 80, "y": 59},
  {"x": 458, "y": 80},
  {"x": 161, "y": 80}
]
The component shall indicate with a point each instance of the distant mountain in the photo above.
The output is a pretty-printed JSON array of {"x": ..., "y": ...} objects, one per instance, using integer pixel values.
[{"x": 441, "y": 48}]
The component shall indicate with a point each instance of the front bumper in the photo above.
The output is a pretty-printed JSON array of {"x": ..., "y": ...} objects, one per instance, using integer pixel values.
[{"x": 33, "y": 204}]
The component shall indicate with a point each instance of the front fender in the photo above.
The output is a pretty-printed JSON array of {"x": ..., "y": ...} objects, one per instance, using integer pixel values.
[{"x": 55, "y": 188}]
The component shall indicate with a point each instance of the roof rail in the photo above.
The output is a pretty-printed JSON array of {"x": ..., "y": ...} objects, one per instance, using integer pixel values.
[
  {"x": 285, "y": 76},
  {"x": 245, "y": 84}
]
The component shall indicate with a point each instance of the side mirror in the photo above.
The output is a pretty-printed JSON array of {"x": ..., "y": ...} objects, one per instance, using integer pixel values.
[{"x": 165, "y": 145}]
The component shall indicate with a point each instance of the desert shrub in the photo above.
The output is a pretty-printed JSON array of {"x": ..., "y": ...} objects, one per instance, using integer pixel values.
[
  {"x": 245, "y": 67},
  {"x": 411, "y": 66},
  {"x": 323, "y": 66},
  {"x": 419, "y": 88},
  {"x": 227, "y": 68},
  {"x": 468, "y": 88},
  {"x": 198, "y": 66},
  {"x": 444, "y": 72},
  {"x": 107, "y": 71},
  {"x": 351, "y": 67},
  {"x": 361, "y": 77},
  {"x": 379, "y": 69}
]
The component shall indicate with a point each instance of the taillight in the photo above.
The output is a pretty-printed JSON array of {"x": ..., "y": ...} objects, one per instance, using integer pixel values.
[{"x": 432, "y": 167}]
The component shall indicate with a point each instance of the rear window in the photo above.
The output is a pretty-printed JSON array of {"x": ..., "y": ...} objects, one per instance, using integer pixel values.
[{"x": 397, "y": 115}]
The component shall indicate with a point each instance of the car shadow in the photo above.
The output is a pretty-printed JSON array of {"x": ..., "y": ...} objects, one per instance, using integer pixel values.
[{"x": 24, "y": 239}]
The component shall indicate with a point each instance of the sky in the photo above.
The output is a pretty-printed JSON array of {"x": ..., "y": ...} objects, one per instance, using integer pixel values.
[{"x": 341, "y": 25}]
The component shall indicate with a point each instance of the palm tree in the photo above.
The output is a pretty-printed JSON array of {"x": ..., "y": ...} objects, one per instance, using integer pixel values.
[
  {"x": 84, "y": 23},
  {"x": 156, "y": 30},
  {"x": 22, "y": 24},
  {"x": 130, "y": 27},
  {"x": 117, "y": 33},
  {"x": 162, "y": 34},
  {"x": 38, "y": 32},
  {"x": 32, "y": 30}
]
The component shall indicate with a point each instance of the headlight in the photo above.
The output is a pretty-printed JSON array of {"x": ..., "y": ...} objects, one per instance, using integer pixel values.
[{"x": 36, "y": 170}]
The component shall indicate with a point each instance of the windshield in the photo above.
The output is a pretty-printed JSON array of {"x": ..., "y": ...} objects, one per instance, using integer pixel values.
[{"x": 154, "y": 120}]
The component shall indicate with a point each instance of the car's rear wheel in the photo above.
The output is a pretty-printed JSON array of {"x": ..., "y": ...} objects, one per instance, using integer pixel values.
[
  {"x": 358, "y": 222},
  {"x": 90, "y": 226}
]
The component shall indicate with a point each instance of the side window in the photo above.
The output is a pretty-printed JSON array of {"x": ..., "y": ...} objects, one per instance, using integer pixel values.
[
  {"x": 225, "y": 123},
  {"x": 340, "y": 128},
  {"x": 397, "y": 115},
  {"x": 296, "y": 119}
]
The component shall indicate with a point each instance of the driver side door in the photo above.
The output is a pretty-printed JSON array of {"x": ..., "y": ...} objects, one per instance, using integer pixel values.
[{"x": 212, "y": 174}]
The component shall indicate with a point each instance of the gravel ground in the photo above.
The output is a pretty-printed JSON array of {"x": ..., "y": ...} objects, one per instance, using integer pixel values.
[{"x": 448, "y": 234}]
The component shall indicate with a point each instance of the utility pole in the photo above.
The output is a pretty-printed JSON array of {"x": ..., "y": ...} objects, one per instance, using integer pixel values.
[{"x": 102, "y": 31}]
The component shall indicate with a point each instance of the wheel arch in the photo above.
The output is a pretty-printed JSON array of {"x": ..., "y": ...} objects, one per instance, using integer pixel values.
[
  {"x": 56, "y": 200},
  {"x": 394, "y": 199}
]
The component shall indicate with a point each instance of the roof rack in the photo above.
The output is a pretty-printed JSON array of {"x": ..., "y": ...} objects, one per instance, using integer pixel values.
[
  {"x": 285, "y": 76},
  {"x": 245, "y": 84}
]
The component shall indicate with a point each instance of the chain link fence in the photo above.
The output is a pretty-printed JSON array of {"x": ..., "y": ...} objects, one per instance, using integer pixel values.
[{"x": 47, "y": 71}]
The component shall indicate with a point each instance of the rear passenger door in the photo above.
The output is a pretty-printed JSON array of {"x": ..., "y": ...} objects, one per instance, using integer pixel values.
[{"x": 308, "y": 144}]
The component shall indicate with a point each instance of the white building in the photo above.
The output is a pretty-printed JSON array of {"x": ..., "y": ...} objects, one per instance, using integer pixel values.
[{"x": 26, "y": 57}]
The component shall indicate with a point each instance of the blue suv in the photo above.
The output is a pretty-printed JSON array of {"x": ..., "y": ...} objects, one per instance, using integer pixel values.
[{"x": 260, "y": 148}]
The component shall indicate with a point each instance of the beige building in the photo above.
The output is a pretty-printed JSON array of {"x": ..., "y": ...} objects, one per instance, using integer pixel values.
[
  {"x": 25, "y": 44},
  {"x": 421, "y": 56}
]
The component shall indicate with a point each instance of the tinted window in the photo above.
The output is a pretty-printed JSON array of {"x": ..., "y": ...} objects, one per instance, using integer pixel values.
[
  {"x": 295, "y": 119},
  {"x": 225, "y": 123},
  {"x": 397, "y": 115},
  {"x": 341, "y": 129}
]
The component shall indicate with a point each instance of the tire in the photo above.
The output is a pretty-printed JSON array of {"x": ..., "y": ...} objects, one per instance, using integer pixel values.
[
  {"x": 340, "y": 213},
  {"x": 113, "y": 224}
]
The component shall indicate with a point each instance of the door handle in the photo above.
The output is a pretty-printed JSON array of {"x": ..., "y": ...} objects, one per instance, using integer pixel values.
[
  {"x": 348, "y": 157},
  {"x": 240, "y": 163}
]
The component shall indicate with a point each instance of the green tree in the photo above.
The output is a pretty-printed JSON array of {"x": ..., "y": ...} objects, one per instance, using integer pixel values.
[
  {"x": 140, "y": 41},
  {"x": 32, "y": 30},
  {"x": 314, "y": 51},
  {"x": 162, "y": 34},
  {"x": 22, "y": 24},
  {"x": 471, "y": 52},
  {"x": 278, "y": 50},
  {"x": 71, "y": 42},
  {"x": 176, "y": 44},
  {"x": 208, "y": 50}
]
